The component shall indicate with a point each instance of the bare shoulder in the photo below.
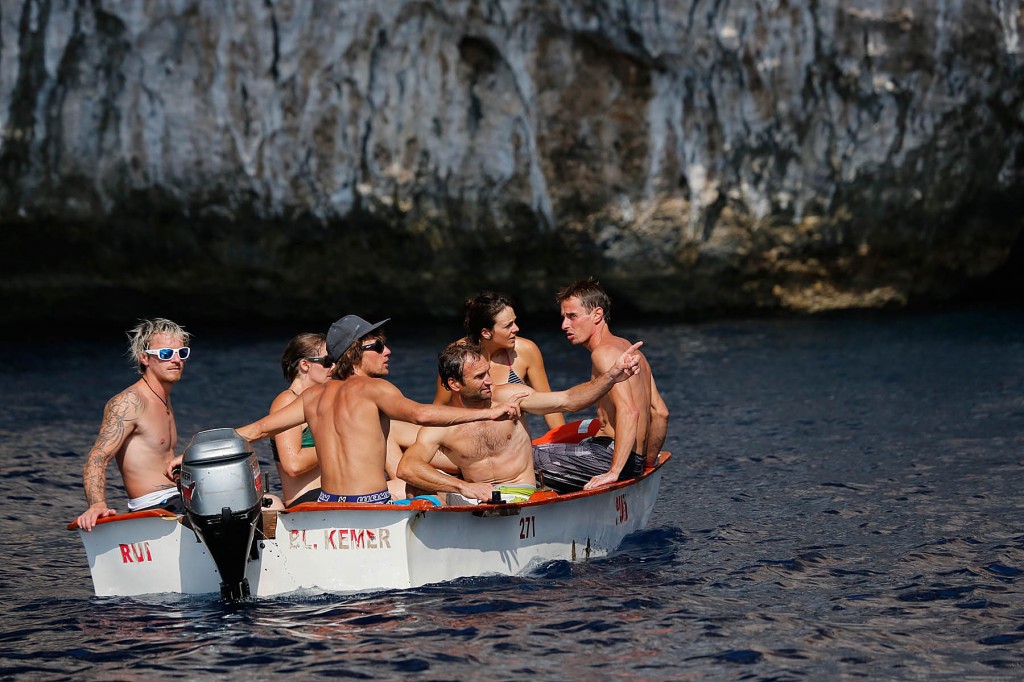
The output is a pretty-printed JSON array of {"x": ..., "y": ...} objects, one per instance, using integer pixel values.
[
  {"x": 316, "y": 391},
  {"x": 527, "y": 348},
  {"x": 608, "y": 352},
  {"x": 506, "y": 393},
  {"x": 432, "y": 435},
  {"x": 373, "y": 388},
  {"x": 283, "y": 399},
  {"x": 127, "y": 404},
  {"x": 121, "y": 417}
]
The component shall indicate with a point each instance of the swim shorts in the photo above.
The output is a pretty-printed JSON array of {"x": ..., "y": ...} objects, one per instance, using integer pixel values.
[
  {"x": 383, "y": 497},
  {"x": 567, "y": 467},
  {"x": 510, "y": 493},
  {"x": 168, "y": 499}
]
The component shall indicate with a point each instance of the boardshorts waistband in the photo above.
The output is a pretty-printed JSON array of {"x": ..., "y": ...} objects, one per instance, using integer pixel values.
[{"x": 383, "y": 497}]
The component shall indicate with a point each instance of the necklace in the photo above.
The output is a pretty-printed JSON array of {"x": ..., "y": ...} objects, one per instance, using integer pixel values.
[{"x": 166, "y": 406}]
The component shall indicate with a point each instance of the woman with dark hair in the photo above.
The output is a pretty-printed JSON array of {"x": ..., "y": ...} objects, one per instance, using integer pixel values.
[
  {"x": 304, "y": 364},
  {"x": 490, "y": 322}
]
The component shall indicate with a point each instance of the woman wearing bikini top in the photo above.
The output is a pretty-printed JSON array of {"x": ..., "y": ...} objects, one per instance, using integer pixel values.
[
  {"x": 490, "y": 322},
  {"x": 304, "y": 364}
]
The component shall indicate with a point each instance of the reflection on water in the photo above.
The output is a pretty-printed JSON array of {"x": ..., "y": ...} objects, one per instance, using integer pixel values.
[{"x": 845, "y": 500}]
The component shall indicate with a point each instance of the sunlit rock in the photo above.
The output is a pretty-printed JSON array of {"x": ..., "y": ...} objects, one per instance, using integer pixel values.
[{"x": 301, "y": 158}]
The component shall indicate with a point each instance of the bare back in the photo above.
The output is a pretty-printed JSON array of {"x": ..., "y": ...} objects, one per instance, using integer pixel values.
[{"x": 350, "y": 432}]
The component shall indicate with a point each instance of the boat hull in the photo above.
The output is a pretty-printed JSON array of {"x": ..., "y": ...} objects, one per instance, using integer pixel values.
[{"x": 343, "y": 548}]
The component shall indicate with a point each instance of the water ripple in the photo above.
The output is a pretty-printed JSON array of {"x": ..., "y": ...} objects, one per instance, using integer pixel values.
[{"x": 844, "y": 502}]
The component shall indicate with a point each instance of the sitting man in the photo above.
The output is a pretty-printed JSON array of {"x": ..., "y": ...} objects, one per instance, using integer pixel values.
[
  {"x": 494, "y": 456},
  {"x": 138, "y": 427},
  {"x": 351, "y": 419},
  {"x": 633, "y": 415}
]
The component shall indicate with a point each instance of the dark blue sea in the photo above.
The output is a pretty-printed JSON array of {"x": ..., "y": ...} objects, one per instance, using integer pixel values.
[{"x": 845, "y": 500}]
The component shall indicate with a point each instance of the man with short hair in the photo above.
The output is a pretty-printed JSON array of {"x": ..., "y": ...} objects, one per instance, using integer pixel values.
[
  {"x": 634, "y": 418},
  {"x": 494, "y": 456},
  {"x": 138, "y": 427},
  {"x": 350, "y": 419}
]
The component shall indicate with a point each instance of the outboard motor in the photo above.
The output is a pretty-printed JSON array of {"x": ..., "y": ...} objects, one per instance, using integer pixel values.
[{"x": 223, "y": 492}]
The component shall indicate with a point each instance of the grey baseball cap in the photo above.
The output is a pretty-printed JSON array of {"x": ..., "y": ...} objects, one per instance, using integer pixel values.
[{"x": 345, "y": 331}]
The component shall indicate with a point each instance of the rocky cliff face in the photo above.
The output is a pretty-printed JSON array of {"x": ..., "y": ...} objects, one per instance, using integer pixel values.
[{"x": 325, "y": 157}]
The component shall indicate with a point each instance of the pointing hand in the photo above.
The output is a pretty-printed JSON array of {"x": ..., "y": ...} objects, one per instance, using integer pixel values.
[{"x": 628, "y": 363}]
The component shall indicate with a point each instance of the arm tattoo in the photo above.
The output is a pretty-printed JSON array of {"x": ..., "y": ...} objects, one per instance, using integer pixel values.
[{"x": 123, "y": 407}]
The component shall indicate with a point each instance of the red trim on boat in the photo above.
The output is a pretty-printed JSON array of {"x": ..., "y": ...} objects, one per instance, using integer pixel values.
[
  {"x": 663, "y": 457},
  {"x": 536, "y": 499},
  {"x": 149, "y": 513}
]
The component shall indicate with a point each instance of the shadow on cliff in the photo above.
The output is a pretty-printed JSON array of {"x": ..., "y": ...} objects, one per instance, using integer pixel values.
[
  {"x": 250, "y": 277},
  {"x": 1003, "y": 287}
]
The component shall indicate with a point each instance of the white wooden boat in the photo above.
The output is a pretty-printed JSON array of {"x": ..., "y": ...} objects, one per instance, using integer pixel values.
[{"x": 343, "y": 548}]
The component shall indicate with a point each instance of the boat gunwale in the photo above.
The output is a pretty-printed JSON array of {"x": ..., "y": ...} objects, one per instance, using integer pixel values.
[{"x": 415, "y": 506}]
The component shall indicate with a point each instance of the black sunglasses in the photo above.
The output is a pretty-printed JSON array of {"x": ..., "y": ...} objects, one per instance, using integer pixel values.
[
  {"x": 323, "y": 361},
  {"x": 377, "y": 346}
]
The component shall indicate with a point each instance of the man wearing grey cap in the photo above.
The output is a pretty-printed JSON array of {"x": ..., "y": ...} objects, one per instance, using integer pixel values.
[{"x": 351, "y": 418}]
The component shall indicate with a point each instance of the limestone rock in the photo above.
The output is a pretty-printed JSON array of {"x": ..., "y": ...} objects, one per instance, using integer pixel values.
[{"x": 309, "y": 158}]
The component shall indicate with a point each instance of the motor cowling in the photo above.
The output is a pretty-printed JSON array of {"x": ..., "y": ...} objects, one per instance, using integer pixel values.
[{"x": 222, "y": 488}]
